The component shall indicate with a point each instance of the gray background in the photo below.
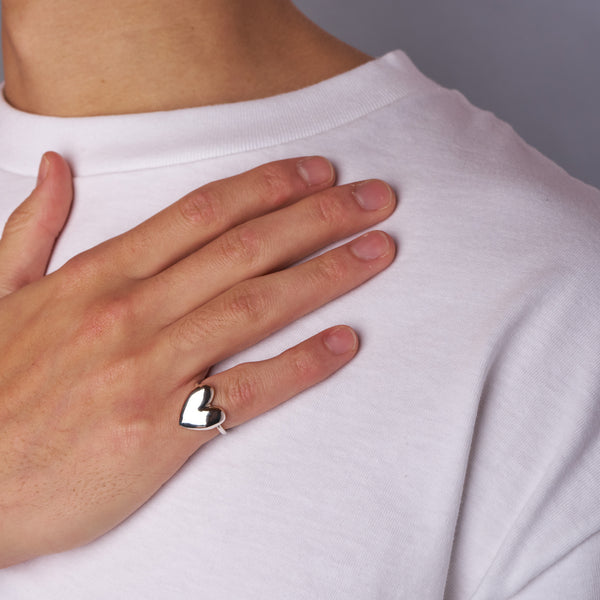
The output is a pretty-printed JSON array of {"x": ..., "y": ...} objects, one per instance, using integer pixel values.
[{"x": 535, "y": 63}]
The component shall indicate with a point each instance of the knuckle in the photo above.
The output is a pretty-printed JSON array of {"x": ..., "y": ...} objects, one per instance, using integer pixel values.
[
  {"x": 82, "y": 267},
  {"x": 106, "y": 317},
  {"x": 120, "y": 308},
  {"x": 134, "y": 427},
  {"x": 248, "y": 304},
  {"x": 275, "y": 184},
  {"x": 304, "y": 366},
  {"x": 129, "y": 419},
  {"x": 187, "y": 333},
  {"x": 328, "y": 210},
  {"x": 330, "y": 270},
  {"x": 242, "y": 391},
  {"x": 199, "y": 207},
  {"x": 240, "y": 245}
]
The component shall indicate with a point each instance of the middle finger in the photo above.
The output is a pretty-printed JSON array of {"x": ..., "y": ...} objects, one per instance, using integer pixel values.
[{"x": 266, "y": 244}]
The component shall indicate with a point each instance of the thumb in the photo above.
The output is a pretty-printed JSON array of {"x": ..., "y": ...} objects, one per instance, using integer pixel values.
[{"x": 31, "y": 230}]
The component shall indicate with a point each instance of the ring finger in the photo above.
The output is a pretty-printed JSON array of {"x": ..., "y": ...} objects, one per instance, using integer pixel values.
[
  {"x": 252, "y": 310},
  {"x": 250, "y": 389}
]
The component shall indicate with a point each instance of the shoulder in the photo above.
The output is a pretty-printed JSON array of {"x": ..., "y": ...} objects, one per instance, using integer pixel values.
[{"x": 470, "y": 179}]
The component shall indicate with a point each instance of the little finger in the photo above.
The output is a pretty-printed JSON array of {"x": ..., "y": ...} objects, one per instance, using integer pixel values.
[{"x": 250, "y": 389}]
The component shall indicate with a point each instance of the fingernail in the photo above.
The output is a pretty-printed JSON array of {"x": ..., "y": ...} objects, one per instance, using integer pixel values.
[
  {"x": 43, "y": 171},
  {"x": 315, "y": 170},
  {"x": 373, "y": 195},
  {"x": 341, "y": 340},
  {"x": 371, "y": 246}
]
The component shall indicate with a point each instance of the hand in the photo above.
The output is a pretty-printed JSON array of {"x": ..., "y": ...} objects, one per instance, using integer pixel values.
[{"x": 97, "y": 358}]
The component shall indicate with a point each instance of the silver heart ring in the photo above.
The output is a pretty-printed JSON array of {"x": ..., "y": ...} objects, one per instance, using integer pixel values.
[{"x": 198, "y": 411}]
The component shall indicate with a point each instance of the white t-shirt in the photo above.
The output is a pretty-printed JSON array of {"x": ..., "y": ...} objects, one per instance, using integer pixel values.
[{"x": 459, "y": 455}]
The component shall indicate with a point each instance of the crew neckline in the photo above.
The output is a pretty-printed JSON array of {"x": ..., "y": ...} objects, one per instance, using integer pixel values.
[{"x": 118, "y": 143}]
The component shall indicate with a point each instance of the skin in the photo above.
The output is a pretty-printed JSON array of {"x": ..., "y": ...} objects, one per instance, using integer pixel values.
[
  {"x": 116, "y": 339},
  {"x": 160, "y": 55},
  {"x": 113, "y": 366}
]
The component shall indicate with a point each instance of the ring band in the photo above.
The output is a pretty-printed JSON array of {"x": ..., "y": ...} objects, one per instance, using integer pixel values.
[{"x": 198, "y": 412}]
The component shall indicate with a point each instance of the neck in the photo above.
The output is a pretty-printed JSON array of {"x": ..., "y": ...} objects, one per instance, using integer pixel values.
[{"x": 83, "y": 58}]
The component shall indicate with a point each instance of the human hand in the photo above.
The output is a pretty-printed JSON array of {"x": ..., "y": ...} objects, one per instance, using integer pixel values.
[{"x": 97, "y": 358}]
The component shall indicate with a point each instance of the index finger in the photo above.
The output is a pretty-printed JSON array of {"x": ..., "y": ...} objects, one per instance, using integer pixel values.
[{"x": 209, "y": 211}]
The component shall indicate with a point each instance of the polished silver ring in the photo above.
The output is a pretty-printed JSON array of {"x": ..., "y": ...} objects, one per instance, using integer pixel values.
[{"x": 198, "y": 411}]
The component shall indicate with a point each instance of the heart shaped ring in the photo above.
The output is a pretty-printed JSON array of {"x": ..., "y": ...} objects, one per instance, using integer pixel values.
[{"x": 199, "y": 413}]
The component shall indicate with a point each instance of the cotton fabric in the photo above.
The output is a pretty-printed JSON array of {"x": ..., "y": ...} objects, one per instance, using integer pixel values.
[{"x": 458, "y": 456}]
